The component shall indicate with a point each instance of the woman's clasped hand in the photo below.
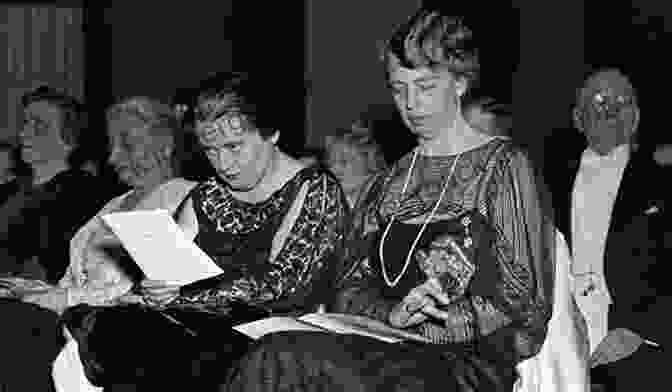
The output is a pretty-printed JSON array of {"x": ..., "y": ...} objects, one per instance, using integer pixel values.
[{"x": 421, "y": 303}]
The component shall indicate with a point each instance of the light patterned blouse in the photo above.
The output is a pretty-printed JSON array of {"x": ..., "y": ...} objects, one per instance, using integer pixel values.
[{"x": 94, "y": 277}]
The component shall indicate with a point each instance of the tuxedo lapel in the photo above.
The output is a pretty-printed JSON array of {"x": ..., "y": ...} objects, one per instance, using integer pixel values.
[
  {"x": 564, "y": 197},
  {"x": 632, "y": 195}
]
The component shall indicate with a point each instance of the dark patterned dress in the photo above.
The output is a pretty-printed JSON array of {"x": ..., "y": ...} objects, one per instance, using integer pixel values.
[
  {"x": 500, "y": 283},
  {"x": 270, "y": 267}
]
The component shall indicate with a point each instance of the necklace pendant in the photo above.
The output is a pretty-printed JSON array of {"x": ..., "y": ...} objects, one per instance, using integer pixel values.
[{"x": 393, "y": 282}]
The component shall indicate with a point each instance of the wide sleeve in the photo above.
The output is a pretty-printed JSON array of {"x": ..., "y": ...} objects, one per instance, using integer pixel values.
[
  {"x": 304, "y": 250},
  {"x": 506, "y": 313}
]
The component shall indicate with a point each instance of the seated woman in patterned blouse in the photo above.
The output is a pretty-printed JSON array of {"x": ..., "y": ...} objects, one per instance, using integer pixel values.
[
  {"x": 272, "y": 224},
  {"x": 144, "y": 135},
  {"x": 451, "y": 242}
]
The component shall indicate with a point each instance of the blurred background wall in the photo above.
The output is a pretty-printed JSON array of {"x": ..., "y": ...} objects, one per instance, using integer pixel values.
[{"x": 534, "y": 54}]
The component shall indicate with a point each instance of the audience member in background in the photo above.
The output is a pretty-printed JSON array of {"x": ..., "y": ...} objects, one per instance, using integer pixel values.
[
  {"x": 489, "y": 117},
  {"x": 615, "y": 215},
  {"x": 143, "y": 135},
  {"x": 353, "y": 156},
  {"x": 37, "y": 223},
  {"x": 272, "y": 224}
]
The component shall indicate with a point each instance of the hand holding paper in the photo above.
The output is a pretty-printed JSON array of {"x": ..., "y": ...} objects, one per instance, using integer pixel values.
[{"x": 160, "y": 248}]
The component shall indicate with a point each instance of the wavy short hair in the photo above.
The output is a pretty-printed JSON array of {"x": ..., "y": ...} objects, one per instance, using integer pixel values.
[
  {"x": 431, "y": 38},
  {"x": 160, "y": 120},
  {"x": 243, "y": 92},
  {"x": 156, "y": 115},
  {"x": 74, "y": 115}
]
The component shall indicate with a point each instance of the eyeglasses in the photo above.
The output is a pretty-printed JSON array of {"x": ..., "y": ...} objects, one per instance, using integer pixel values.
[{"x": 610, "y": 104}]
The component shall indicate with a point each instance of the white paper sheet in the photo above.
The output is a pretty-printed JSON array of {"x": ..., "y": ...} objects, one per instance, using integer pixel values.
[
  {"x": 328, "y": 322},
  {"x": 259, "y": 328},
  {"x": 360, "y": 325},
  {"x": 160, "y": 248}
]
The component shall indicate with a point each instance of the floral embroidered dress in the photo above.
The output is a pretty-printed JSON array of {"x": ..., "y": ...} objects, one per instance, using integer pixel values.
[
  {"x": 489, "y": 244},
  {"x": 267, "y": 263},
  {"x": 278, "y": 257}
]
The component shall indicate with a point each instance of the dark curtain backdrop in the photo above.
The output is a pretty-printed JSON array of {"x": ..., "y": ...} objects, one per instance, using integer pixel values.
[
  {"x": 269, "y": 37},
  {"x": 42, "y": 44},
  {"x": 534, "y": 54},
  {"x": 158, "y": 49}
]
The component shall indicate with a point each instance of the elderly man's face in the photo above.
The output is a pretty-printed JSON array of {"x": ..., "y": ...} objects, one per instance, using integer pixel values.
[{"x": 607, "y": 111}]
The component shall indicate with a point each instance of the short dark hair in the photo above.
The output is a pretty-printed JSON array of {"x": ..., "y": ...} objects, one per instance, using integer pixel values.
[
  {"x": 250, "y": 94},
  {"x": 75, "y": 119},
  {"x": 433, "y": 38}
]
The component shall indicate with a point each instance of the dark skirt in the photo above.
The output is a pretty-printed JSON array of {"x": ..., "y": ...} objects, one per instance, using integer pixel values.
[
  {"x": 147, "y": 349},
  {"x": 314, "y": 361},
  {"x": 30, "y": 340}
]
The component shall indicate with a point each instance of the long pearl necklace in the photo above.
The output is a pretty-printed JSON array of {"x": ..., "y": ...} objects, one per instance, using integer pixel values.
[{"x": 388, "y": 281}]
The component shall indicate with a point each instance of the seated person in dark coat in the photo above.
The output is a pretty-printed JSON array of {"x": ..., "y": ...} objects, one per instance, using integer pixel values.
[{"x": 37, "y": 223}]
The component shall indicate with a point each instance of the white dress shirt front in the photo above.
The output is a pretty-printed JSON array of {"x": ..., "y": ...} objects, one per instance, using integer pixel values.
[{"x": 593, "y": 197}]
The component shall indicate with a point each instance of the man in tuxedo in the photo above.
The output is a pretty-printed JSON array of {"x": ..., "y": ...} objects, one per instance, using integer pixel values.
[{"x": 612, "y": 205}]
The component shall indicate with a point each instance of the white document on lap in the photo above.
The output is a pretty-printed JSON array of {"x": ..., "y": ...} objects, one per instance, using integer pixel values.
[
  {"x": 160, "y": 248},
  {"x": 329, "y": 323}
]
